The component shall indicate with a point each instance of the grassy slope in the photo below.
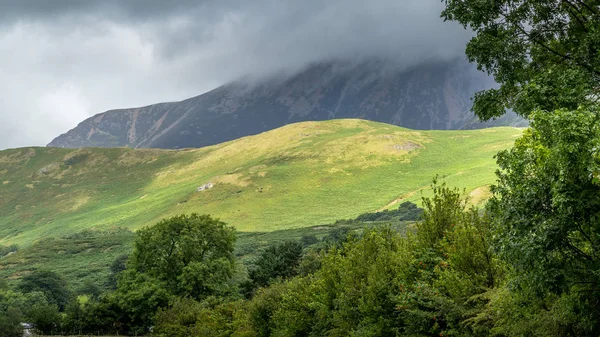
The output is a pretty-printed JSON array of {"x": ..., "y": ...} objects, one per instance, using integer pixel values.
[
  {"x": 299, "y": 175},
  {"x": 85, "y": 256}
]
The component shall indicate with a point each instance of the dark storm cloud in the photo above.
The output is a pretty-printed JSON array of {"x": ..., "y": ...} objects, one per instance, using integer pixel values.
[
  {"x": 64, "y": 60},
  {"x": 44, "y": 9}
]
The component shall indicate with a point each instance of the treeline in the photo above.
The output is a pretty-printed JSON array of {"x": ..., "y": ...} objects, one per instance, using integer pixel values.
[
  {"x": 182, "y": 280},
  {"x": 45, "y": 298}
]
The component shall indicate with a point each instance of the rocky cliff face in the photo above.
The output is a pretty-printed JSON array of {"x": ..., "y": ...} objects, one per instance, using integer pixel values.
[{"x": 434, "y": 96}]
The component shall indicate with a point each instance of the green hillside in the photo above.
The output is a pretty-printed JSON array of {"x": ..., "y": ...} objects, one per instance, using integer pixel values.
[{"x": 299, "y": 175}]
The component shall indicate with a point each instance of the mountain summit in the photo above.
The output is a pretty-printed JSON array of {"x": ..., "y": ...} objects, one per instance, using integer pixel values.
[{"x": 431, "y": 96}]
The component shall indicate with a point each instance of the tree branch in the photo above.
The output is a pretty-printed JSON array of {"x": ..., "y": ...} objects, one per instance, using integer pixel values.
[
  {"x": 581, "y": 23},
  {"x": 563, "y": 56},
  {"x": 591, "y": 9},
  {"x": 579, "y": 251}
]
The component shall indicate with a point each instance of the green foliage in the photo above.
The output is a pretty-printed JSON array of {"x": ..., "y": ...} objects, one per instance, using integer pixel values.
[
  {"x": 547, "y": 203},
  {"x": 376, "y": 282},
  {"x": 99, "y": 256},
  {"x": 280, "y": 261},
  {"x": 5, "y": 250},
  {"x": 186, "y": 317},
  {"x": 102, "y": 316},
  {"x": 451, "y": 270},
  {"x": 45, "y": 317},
  {"x": 138, "y": 297},
  {"x": 192, "y": 255},
  {"x": 543, "y": 53},
  {"x": 308, "y": 240},
  {"x": 50, "y": 283},
  {"x": 311, "y": 262},
  {"x": 80, "y": 258},
  {"x": 183, "y": 256},
  {"x": 437, "y": 281},
  {"x": 442, "y": 212},
  {"x": 90, "y": 289},
  {"x": 10, "y": 323},
  {"x": 407, "y": 211},
  {"x": 118, "y": 265}
]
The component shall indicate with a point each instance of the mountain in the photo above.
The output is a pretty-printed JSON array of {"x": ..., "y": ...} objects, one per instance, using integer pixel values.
[
  {"x": 431, "y": 96},
  {"x": 299, "y": 175}
]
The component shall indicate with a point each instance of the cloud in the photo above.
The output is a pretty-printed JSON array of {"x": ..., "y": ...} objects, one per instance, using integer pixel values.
[{"x": 65, "y": 60}]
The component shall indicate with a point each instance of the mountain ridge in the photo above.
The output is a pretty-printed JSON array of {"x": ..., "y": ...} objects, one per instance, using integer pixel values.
[{"x": 431, "y": 96}]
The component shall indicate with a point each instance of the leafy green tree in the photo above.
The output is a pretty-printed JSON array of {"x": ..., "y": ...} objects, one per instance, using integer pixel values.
[
  {"x": 90, "y": 289},
  {"x": 277, "y": 261},
  {"x": 215, "y": 318},
  {"x": 547, "y": 206},
  {"x": 442, "y": 212},
  {"x": 263, "y": 307},
  {"x": 10, "y": 323},
  {"x": 138, "y": 297},
  {"x": 191, "y": 255},
  {"x": 179, "y": 319},
  {"x": 310, "y": 262},
  {"x": 118, "y": 265},
  {"x": 45, "y": 317},
  {"x": 50, "y": 283},
  {"x": 543, "y": 53},
  {"x": 100, "y": 317},
  {"x": 74, "y": 321},
  {"x": 184, "y": 256}
]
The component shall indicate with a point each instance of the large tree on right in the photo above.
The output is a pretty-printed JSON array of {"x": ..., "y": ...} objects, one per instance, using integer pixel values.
[
  {"x": 544, "y": 53},
  {"x": 547, "y": 208}
]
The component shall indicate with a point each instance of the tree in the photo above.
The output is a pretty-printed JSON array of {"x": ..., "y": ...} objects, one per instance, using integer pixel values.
[
  {"x": 45, "y": 317},
  {"x": 138, "y": 297},
  {"x": 192, "y": 255},
  {"x": 90, "y": 289},
  {"x": 442, "y": 212},
  {"x": 10, "y": 323},
  {"x": 544, "y": 53},
  {"x": 118, "y": 265},
  {"x": 277, "y": 261},
  {"x": 184, "y": 256},
  {"x": 547, "y": 210},
  {"x": 186, "y": 317},
  {"x": 48, "y": 282}
]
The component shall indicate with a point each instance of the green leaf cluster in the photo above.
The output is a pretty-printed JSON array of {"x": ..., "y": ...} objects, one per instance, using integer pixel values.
[{"x": 544, "y": 54}]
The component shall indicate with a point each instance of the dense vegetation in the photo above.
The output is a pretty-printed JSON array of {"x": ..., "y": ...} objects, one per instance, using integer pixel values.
[
  {"x": 91, "y": 258},
  {"x": 525, "y": 264}
]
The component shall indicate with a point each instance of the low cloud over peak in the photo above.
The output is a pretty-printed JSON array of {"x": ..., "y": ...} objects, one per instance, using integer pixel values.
[{"x": 64, "y": 60}]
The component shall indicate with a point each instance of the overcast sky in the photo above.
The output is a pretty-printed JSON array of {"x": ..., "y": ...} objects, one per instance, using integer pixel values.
[{"x": 62, "y": 61}]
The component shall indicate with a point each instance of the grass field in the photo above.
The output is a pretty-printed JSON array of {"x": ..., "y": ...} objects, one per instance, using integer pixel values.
[{"x": 297, "y": 176}]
